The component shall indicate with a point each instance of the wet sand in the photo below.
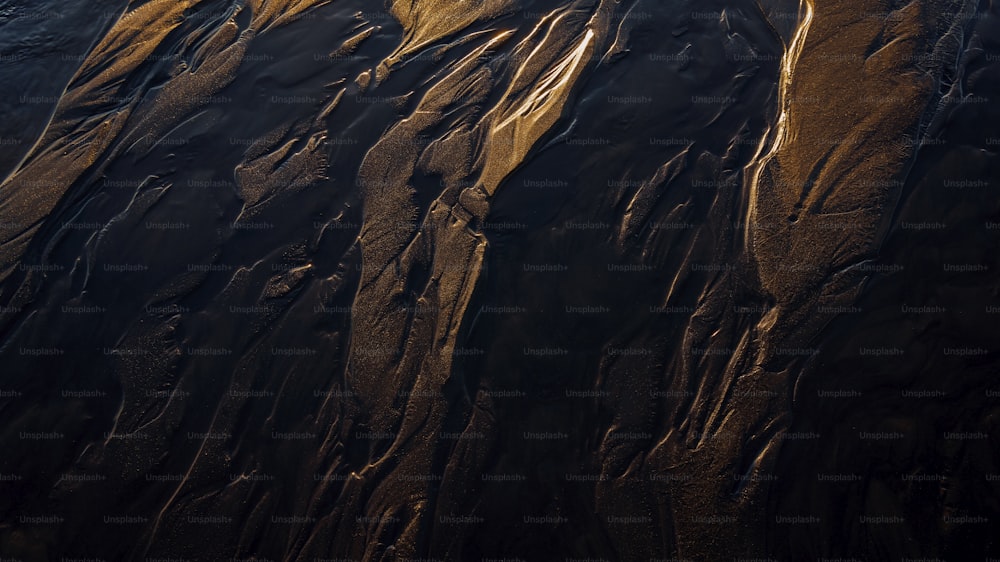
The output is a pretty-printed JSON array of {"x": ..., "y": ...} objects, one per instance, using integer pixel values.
[{"x": 319, "y": 280}]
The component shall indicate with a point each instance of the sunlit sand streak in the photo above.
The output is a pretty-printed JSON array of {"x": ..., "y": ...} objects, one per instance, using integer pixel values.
[
  {"x": 555, "y": 80},
  {"x": 528, "y": 120},
  {"x": 788, "y": 63},
  {"x": 427, "y": 21}
]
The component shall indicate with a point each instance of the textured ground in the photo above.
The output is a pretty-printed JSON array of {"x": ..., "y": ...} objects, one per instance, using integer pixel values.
[{"x": 498, "y": 279}]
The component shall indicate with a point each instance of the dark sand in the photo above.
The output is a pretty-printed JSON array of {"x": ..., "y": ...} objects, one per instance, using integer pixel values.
[{"x": 436, "y": 280}]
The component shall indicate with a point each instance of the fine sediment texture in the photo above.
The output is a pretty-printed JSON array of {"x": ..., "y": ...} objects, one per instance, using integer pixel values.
[{"x": 595, "y": 279}]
